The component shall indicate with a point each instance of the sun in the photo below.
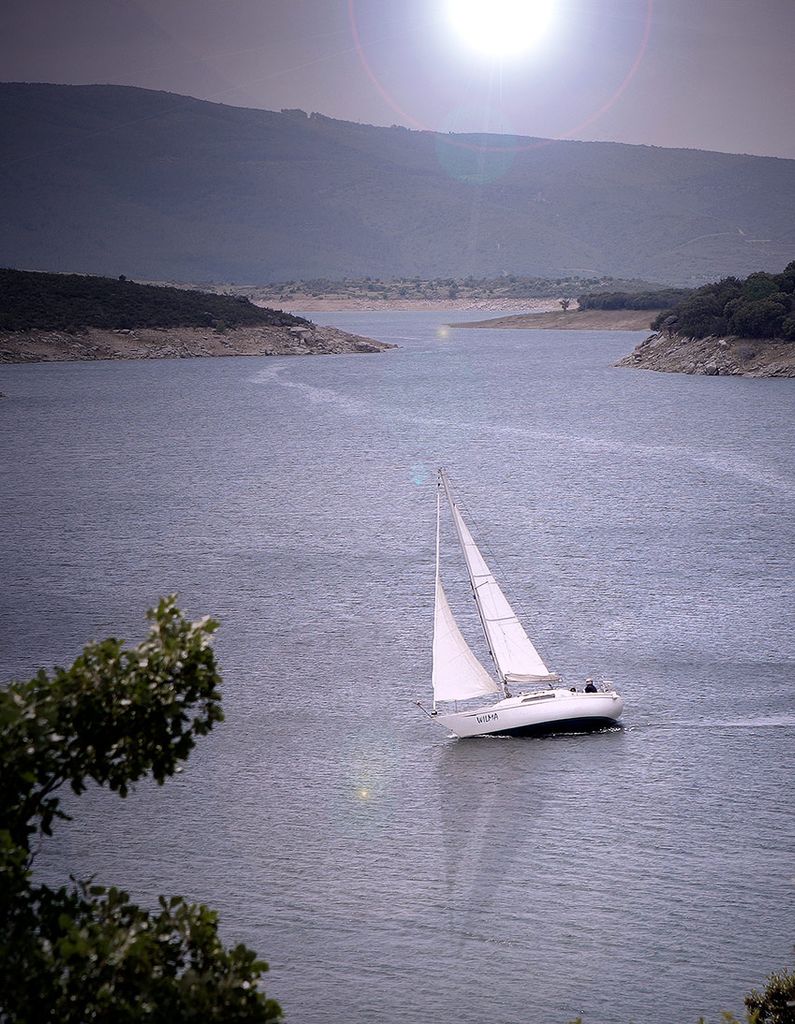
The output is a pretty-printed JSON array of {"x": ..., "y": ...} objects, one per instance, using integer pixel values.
[{"x": 500, "y": 29}]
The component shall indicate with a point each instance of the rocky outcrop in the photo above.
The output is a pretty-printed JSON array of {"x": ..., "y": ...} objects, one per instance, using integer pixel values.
[
  {"x": 180, "y": 343},
  {"x": 714, "y": 357}
]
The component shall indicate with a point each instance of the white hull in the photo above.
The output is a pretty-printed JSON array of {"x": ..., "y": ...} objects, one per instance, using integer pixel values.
[{"x": 540, "y": 713}]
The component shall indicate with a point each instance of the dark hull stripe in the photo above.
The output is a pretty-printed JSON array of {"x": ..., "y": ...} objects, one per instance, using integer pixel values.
[{"x": 549, "y": 728}]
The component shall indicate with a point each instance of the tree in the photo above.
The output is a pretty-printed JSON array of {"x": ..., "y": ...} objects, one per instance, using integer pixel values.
[
  {"x": 564, "y": 304},
  {"x": 759, "y": 286},
  {"x": 701, "y": 315},
  {"x": 775, "y": 1004},
  {"x": 762, "y": 318},
  {"x": 788, "y": 328},
  {"x": 85, "y": 952}
]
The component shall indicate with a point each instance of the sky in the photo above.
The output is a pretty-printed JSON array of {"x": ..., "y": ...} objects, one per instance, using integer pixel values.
[{"x": 703, "y": 74}]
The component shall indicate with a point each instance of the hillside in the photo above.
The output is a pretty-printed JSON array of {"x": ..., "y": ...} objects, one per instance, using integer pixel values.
[
  {"x": 118, "y": 180},
  {"x": 55, "y": 317},
  {"x": 31, "y": 300}
]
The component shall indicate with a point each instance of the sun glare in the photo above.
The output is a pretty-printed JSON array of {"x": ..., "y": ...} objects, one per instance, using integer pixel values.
[{"x": 500, "y": 29}]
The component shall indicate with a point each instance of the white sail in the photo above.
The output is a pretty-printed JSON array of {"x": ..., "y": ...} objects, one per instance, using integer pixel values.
[
  {"x": 516, "y": 657},
  {"x": 457, "y": 673}
]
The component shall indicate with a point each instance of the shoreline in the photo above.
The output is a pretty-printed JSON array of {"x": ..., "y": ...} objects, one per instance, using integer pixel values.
[
  {"x": 713, "y": 357},
  {"x": 95, "y": 343},
  {"x": 570, "y": 320}
]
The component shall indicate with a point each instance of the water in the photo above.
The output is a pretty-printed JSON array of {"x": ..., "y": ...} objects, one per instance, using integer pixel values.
[{"x": 645, "y": 524}]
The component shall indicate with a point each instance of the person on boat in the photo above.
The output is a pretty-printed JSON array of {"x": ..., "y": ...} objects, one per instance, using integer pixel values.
[{"x": 589, "y": 686}]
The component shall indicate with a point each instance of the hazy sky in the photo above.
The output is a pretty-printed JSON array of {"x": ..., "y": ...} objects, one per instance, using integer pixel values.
[{"x": 707, "y": 74}]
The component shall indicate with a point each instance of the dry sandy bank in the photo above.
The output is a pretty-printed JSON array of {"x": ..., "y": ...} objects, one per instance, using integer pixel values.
[{"x": 573, "y": 320}]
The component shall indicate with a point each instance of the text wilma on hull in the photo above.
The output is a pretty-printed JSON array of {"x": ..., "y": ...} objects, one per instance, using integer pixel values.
[{"x": 529, "y": 701}]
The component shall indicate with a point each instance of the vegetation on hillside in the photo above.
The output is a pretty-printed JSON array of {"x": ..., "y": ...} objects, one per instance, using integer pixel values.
[
  {"x": 506, "y": 286},
  {"x": 761, "y": 306},
  {"x": 113, "y": 179},
  {"x": 83, "y": 952},
  {"x": 663, "y": 298},
  {"x": 72, "y": 302}
]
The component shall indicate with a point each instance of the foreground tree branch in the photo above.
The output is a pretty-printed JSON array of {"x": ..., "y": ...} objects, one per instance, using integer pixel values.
[{"x": 85, "y": 952}]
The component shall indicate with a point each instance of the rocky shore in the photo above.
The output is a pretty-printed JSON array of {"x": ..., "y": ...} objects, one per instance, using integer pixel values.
[
  {"x": 716, "y": 357},
  {"x": 180, "y": 343}
]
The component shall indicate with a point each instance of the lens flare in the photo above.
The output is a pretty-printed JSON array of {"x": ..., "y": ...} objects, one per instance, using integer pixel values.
[
  {"x": 500, "y": 29},
  {"x": 518, "y": 145}
]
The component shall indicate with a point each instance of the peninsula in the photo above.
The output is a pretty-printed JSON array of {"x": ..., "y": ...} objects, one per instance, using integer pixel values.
[
  {"x": 57, "y": 317},
  {"x": 570, "y": 320},
  {"x": 729, "y": 328},
  {"x": 629, "y": 308}
]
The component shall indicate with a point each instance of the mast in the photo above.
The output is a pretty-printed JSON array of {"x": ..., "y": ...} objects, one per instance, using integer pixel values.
[
  {"x": 473, "y": 585},
  {"x": 437, "y": 582},
  {"x": 438, "y": 519}
]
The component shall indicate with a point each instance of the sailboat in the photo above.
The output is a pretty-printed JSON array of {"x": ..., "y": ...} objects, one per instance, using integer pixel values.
[{"x": 527, "y": 699}]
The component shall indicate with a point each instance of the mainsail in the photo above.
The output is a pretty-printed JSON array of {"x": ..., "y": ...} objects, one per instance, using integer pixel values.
[{"x": 514, "y": 654}]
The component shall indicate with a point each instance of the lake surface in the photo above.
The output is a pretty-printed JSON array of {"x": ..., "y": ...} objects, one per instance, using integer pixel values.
[{"x": 645, "y": 525}]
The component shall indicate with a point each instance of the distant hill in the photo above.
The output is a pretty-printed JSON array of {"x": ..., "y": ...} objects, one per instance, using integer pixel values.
[
  {"x": 58, "y": 302},
  {"x": 117, "y": 180}
]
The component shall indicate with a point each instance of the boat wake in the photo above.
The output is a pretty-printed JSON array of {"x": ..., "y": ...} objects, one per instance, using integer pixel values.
[
  {"x": 783, "y": 721},
  {"x": 728, "y": 465}
]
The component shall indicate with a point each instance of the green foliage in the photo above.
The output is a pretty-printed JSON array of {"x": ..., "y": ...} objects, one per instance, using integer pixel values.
[
  {"x": 657, "y": 299},
  {"x": 788, "y": 328},
  {"x": 762, "y": 306},
  {"x": 91, "y": 954},
  {"x": 85, "y": 952},
  {"x": 775, "y": 1004},
  {"x": 506, "y": 286},
  {"x": 114, "y": 716},
  {"x": 72, "y": 302},
  {"x": 759, "y": 286},
  {"x": 760, "y": 318},
  {"x": 702, "y": 314}
]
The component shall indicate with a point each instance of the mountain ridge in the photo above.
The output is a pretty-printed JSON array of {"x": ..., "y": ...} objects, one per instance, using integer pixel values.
[{"x": 117, "y": 179}]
